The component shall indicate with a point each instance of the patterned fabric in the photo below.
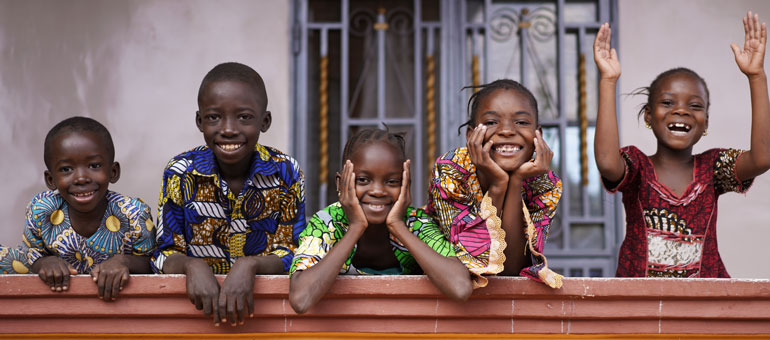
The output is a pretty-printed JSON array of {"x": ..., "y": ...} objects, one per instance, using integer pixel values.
[
  {"x": 328, "y": 226},
  {"x": 669, "y": 235},
  {"x": 200, "y": 217},
  {"x": 126, "y": 228},
  {"x": 455, "y": 199}
]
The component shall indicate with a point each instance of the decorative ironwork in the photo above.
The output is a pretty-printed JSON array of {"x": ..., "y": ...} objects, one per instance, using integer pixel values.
[
  {"x": 583, "y": 117},
  {"x": 430, "y": 107},
  {"x": 540, "y": 24},
  {"x": 323, "y": 126}
]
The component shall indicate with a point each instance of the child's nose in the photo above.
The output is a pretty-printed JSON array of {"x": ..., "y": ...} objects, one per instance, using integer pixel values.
[
  {"x": 229, "y": 126},
  {"x": 80, "y": 176}
]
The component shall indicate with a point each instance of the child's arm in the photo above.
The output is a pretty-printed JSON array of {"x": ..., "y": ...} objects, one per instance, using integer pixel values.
[
  {"x": 202, "y": 286},
  {"x": 111, "y": 275},
  {"x": 512, "y": 215},
  {"x": 448, "y": 274},
  {"x": 751, "y": 61},
  {"x": 606, "y": 140},
  {"x": 54, "y": 271},
  {"x": 308, "y": 286}
]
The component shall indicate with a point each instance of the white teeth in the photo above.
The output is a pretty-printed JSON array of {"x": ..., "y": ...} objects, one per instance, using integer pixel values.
[
  {"x": 229, "y": 147},
  {"x": 376, "y": 206},
  {"x": 507, "y": 148},
  {"x": 83, "y": 194},
  {"x": 679, "y": 126}
]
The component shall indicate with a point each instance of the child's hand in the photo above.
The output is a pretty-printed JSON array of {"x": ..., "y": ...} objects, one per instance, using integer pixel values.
[
  {"x": 751, "y": 61},
  {"x": 486, "y": 166},
  {"x": 606, "y": 58},
  {"x": 55, "y": 272},
  {"x": 348, "y": 198},
  {"x": 110, "y": 276},
  {"x": 398, "y": 210},
  {"x": 202, "y": 287},
  {"x": 542, "y": 162},
  {"x": 237, "y": 295}
]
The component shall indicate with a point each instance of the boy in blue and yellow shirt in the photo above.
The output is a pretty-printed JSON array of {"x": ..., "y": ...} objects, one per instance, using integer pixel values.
[{"x": 231, "y": 206}]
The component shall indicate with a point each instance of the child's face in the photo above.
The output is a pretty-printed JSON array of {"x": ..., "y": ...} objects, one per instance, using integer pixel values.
[
  {"x": 231, "y": 116},
  {"x": 678, "y": 114},
  {"x": 80, "y": 168},
  {"x": 378, "y": 168},
  {"x": 511, "y": 125}
]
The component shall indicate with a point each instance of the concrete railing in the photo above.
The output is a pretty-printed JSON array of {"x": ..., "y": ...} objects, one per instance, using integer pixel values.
[{"x": 158, "y": 304}]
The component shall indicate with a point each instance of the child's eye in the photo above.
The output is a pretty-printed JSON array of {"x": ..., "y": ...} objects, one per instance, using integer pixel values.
[
  {"x": 362, "y": 180},
  {"x": 65, "y": 169},
  {"x": 211, "y": 117},
  {"x": 523, "y": 122},
  {"x": 95, "y": 165},
  {"x": 666, "y": 102},
  {"x": 394, "y": 182},
  {"x": 696, "y": 106},
  {"x": 490, "y": 122},
  {"x": 245, "y": 116}
]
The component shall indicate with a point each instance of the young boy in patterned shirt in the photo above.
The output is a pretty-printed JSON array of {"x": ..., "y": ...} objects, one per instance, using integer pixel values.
[
  {"x": 231, "y": 206},
  {"x": 80, "y": 227}
]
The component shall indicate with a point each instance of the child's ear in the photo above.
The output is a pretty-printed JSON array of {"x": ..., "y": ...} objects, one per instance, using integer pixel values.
[
  {"x": 49, "y": 182},
  {"x": 647, "y": 114},
  {"x": 468, "y": 131},
  {"x": 115, "y": 172},
  {"x": 198, "y": 120},
  {"x": 267, "y": 119},
  {"x": 337, "y": 180}
]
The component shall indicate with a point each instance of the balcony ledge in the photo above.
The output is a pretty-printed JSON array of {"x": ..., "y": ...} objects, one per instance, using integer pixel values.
[{"x": 158, "y": 304}]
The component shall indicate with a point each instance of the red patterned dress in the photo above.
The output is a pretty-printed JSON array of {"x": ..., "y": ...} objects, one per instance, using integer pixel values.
[{"x": 670, "y": 236}]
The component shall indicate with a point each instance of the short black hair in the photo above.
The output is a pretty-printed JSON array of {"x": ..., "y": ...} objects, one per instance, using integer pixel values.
[
  {"x": 654, "y": 87},
  {"x": 78, "y": 124},
  {"x": 371, "y": 136},
  {"x": 486, "y": 89},
  {"x": 233, "y": 71}
]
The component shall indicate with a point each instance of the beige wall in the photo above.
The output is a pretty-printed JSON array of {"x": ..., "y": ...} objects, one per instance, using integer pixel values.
[
  {"x": 662, "y": 34},
  {"x": 133, "y": 65}
]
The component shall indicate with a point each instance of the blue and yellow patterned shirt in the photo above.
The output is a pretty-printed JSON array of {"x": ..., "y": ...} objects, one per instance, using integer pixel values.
[
  {"x": 126, "y": 228},
  {"x": 199, "y": 216}
]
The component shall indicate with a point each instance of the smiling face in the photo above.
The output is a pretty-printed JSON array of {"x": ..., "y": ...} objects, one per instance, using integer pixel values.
[
  {"x": 511, "y": 124},
  {"x": 378, "y": 170},
  {"x": 81, "y": 169},
  {"x": 677, "y": 114},
  {"x": 231, "y": 116}
]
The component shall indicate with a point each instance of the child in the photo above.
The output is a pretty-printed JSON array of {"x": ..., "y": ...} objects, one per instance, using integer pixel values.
[
  {"x": 232, "y": 206},
  {"x": 372, "y": 229},
  {"x": 670, "y": 197},
  {"x": 80, "y": 226},
  {"x": 493, "y": 182}
]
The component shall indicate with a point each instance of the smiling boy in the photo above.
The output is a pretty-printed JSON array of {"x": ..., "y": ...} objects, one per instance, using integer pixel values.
[{"x": 232, "y": 206}]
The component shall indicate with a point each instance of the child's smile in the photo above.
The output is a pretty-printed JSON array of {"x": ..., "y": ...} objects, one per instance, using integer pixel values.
[
  {"x": 378, "y": 169},
  {"x": 678, "y": 114},
  {"x": 231, "y": 116},
  {"x": 511, "y": 123},
  {"x": 80, "y": 170}
]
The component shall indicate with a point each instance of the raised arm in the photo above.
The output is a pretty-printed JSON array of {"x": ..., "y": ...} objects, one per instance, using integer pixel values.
[
  {"x": 751, "y": 61},
  {"x": 606, "y": 141},
  {"x": 449, "y": 275},
  {"x": 310, "y": 285}
]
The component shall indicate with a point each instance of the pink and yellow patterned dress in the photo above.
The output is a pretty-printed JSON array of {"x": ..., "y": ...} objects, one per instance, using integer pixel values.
[{"x": 469, "y": 220}]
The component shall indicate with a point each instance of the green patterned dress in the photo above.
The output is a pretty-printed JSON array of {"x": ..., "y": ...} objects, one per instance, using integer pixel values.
[{"x": 329, "y": 225}]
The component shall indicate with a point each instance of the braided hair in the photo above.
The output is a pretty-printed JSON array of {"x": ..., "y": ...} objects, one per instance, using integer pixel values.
[{"x": 487, "y": 89}]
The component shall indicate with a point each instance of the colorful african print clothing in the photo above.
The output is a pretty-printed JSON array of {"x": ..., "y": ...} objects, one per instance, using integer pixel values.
[
  {"x": 669, "y": 235},
  {"x": 200, "y": 217},
  {"x": 126, "y": 228},
  {"x": 455, "y": 201},
  {"x": 328, "y": 226}
]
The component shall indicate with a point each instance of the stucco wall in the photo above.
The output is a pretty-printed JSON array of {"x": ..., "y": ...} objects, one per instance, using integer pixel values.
[
  {"x": 656, "y": 35},
  {"x": 133, "y": 65}
]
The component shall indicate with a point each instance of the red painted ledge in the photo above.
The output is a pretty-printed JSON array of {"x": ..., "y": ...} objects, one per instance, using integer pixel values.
[{"x": 158, "y": 304}]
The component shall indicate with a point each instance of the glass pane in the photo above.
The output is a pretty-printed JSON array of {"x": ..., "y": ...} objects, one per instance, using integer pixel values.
[
  {"x": 399, "y": 63},
  {"x": 576, "y": 272},
  {"x": 324, "y": 11},
  {"x": 592, "y": 78},
  {"x": 580, "y": 12},
  {"x": 555, "y": 239},
  {"x": 595, "y": 272},
  {"x": 362, "y": 62},
  {"x": 594, "y": 189},
  {"x": 586, "y": 236},
  {"x": 430, "y": 10},
  {"x": 572, "y": 178},
  {"x": 570, "y": 74}
]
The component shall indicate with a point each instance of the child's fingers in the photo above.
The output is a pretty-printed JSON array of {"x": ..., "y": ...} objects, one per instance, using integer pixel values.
[
  {"x": 241, "y": 309},
  {"x": 250, "y": 304},
  {"x": 100, "y": 282},
  {"x": 114, "y": 288},
  {"x": 72, "y": 270},
  {"x": 406, "y": 183},
  {"x": 95, "y": 272},
  {"x": 736, "y": 49}
]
